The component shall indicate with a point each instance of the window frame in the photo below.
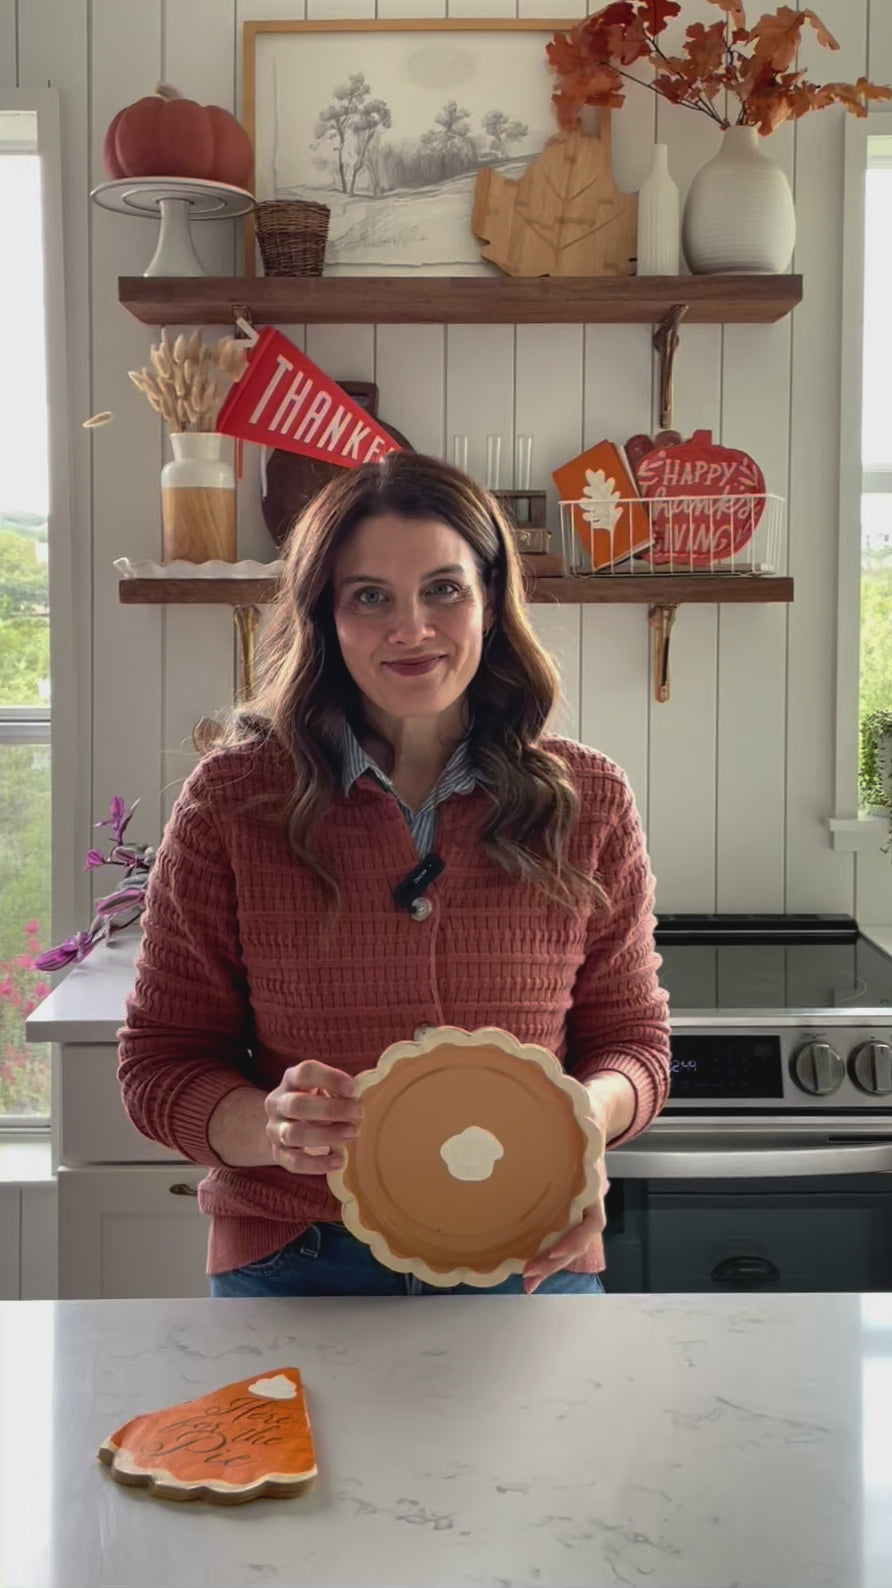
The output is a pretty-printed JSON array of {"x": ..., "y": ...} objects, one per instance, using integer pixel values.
[
  {"x": 58, "y": 723},
  {"x": 850, "y": 828}
]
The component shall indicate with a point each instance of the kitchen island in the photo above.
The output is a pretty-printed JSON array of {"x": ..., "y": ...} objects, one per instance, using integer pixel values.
[{"x": 579, "y": 1442}]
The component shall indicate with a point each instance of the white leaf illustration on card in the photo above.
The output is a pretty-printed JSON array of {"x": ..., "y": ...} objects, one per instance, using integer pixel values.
[{"x": 600, "y": 500}]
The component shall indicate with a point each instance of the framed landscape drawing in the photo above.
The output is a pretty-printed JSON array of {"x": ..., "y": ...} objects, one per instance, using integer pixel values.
[{"x": 387, "y": 123}]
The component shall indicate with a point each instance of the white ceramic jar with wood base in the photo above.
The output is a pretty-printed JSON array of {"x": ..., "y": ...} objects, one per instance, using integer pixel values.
[{"x": 198, "y": 499}]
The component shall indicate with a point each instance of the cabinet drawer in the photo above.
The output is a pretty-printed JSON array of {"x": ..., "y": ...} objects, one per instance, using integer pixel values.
[
  {"x": 94, "y": 1125},
  {"x": 131, "y": 1232}
]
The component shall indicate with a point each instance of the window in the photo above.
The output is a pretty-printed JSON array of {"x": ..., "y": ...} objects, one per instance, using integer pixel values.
[
  {"x": 876, "y": 436},
  {"x": 25, "y": 550}
]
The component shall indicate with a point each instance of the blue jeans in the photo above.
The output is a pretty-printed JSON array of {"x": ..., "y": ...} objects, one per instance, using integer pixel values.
[{"x": 326, "y": 1260}]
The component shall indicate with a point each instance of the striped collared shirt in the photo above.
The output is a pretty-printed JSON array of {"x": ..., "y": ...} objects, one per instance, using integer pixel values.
[{"x": 458, "y": 777}]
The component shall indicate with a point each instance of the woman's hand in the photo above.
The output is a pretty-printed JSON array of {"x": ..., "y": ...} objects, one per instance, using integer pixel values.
[
  {"x": 310, "y": 1116},
  {"x": 571, "y": 1245},
  {"x": 612, "y": 1103}
]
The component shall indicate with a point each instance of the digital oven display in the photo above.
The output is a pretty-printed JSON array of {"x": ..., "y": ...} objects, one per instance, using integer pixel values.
[{"x": 726, "y": 1067}]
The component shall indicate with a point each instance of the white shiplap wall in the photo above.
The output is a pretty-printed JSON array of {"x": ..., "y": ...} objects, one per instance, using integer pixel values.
[{"x": 735, "y": 776}]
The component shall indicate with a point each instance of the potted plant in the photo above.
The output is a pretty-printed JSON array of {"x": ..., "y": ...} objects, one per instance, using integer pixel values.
[
  {"x": 875, "y": 766},
  {"x": 119, "y": 909},
  {"x": 739, "y": 210}
]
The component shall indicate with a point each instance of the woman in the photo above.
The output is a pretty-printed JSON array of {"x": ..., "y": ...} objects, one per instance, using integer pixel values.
[{"x": 401, "y": 712}]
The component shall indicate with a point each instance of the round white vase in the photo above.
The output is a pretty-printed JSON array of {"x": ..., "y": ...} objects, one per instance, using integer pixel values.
[
  {"x": 658, "y": 212},
  {"x": 738, "y": 215},
  {"x": 198, "y": 499}
]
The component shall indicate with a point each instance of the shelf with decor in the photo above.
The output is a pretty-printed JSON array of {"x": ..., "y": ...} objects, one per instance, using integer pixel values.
[
  {"x": 704, "y": 530},
  {"x": 670, "y": 551},
  {"x": 586, "y": 589},
  {"x": 457, "y": 300}
]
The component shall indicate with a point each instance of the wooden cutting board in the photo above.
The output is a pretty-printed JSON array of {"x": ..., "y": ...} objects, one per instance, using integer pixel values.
[{"x": 563, "y": 217}]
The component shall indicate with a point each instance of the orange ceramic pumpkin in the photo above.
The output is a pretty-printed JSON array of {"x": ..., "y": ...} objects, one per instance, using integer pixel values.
[{"x": 166, "y": 135}]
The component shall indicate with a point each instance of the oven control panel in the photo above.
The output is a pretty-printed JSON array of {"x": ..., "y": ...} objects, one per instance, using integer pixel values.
[{"x": 836, "y": 1068}]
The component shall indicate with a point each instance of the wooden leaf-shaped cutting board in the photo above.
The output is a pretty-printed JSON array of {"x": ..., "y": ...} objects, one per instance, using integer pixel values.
[
  {"x": 246, "y": 1440},
  {"x": 563, "y": 217}
]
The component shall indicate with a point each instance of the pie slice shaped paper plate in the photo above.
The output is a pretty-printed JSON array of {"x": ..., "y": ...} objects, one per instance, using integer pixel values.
[
  {"x": 240, "y": 1442},
  {"x": 476, "y": 1152}
]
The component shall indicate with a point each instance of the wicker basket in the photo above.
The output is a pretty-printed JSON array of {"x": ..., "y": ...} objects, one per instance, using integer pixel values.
[{"x": 291, "y": 235}]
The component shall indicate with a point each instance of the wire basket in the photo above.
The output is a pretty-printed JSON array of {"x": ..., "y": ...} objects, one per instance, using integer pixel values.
[
  {"x": 675, "y": 535},
  {"x": 291, "y": 236}
]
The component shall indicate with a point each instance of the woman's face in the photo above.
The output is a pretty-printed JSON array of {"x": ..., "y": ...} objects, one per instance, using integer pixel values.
[{"x": 410, "y": 612}]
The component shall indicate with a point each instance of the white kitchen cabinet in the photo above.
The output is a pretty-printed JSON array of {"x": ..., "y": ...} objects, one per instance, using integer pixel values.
[
  {"x": 10, "y": 1242},
  {"x": 28, "y": 1226},
  {"x": 131, "y": 1231},
  {"x": 122, "y": 1230},
  {"x": 94, "y": 1127}
]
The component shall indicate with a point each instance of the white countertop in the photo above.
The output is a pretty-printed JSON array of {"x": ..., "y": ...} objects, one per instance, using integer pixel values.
[
  {"x": 88, "y": 1004},
  {"x": 580, "y": 1442}
]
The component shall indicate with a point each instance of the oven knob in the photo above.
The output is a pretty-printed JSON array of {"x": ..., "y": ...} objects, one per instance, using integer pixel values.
[
  {"x": 871, "y": 1067},
  {"x": 818, "y": 1068}
]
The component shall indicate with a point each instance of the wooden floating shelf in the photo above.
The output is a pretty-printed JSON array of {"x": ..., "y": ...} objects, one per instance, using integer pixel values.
[
  {"x": 624, "y": 589},
  {"x": 457, "y": 300}
]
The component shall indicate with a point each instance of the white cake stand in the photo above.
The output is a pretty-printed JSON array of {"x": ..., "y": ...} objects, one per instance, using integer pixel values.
[{"x": 179, "y": 201}]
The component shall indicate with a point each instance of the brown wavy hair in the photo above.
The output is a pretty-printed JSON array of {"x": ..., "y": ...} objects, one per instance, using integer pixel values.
[{"x": 304, "y": 689}]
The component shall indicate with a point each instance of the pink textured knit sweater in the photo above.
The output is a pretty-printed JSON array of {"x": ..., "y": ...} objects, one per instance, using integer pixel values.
[{"x": 242, "y": 972}]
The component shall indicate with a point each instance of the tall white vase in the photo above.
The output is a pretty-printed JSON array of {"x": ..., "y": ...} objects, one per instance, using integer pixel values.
[
  {"x": 738, "y": 215},
  {"x": 658, "y": 211}
]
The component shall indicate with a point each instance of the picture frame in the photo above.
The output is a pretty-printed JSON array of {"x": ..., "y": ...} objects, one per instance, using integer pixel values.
[{"x": 387, "y": 123}]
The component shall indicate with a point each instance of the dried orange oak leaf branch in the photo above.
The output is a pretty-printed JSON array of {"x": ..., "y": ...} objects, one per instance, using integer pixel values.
[{"x": 756, "y": 66}]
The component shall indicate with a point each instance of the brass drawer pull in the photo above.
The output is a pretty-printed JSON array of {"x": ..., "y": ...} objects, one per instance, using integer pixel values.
[{"x": 183, "y": 1190}]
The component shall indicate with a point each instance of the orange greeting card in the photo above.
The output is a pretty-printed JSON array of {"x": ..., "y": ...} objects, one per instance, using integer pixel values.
[
  {"x": 608, "y": 523},
  {"x": 246, "y": 1440}
]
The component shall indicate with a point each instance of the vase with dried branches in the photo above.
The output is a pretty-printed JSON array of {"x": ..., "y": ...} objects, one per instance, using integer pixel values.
[
  {"x": 739, "y": 210},
  {"x": 186, "y": 382}
]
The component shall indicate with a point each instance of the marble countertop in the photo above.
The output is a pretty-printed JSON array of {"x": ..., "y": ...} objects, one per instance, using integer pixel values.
[{"x": 505, "y": 1442}]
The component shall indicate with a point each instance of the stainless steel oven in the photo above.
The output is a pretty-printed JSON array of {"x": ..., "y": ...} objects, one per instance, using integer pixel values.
[{"x": 771, "y": 1166}]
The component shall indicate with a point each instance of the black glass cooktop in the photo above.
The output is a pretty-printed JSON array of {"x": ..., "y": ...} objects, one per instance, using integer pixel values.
[{"x": 764, "y": 962}]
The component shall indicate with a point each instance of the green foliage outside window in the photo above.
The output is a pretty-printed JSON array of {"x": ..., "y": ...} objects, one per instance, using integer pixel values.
[
  {"x": 876, "y": 673},
  {"x": 25, "y": 896}
]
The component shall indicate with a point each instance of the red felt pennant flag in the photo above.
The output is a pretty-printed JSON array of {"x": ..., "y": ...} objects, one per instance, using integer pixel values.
[{"x": 284, "y": 400}]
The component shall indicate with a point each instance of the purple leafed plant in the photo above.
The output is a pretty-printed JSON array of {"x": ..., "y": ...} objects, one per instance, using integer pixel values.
[{"x": 118, "y": 909}]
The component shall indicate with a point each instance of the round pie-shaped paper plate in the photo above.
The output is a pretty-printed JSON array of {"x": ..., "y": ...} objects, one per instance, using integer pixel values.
[{"x": 475, "y": 1152}]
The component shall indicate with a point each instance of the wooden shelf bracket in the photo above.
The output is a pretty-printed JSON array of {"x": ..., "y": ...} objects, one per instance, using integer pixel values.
[
  {"x": 247, "y": 619},
  {"x": 665, "y": 341},
  {"x": 208, "y": 731},
  {"x": 661, "y": 619}
]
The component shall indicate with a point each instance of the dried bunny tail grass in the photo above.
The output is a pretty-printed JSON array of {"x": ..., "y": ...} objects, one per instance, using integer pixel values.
[
  {"x": 232, "y": 358},
  {"x": 161, "y": 360},
  {"x": 158, "y": 397},
  {"x": 95, "y": 420},
  {"x": 187, "y": 378}
]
